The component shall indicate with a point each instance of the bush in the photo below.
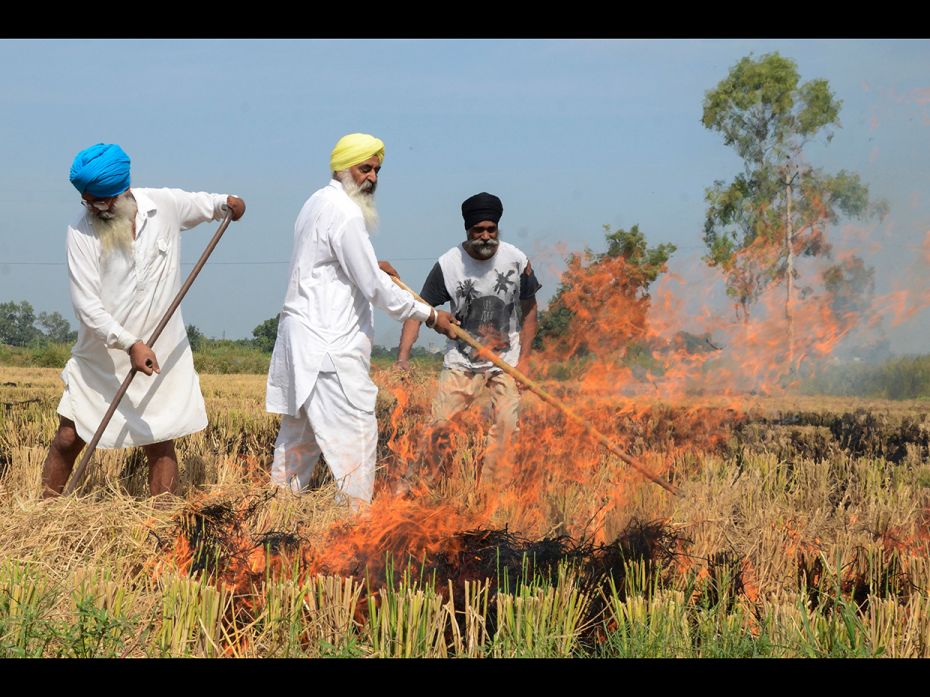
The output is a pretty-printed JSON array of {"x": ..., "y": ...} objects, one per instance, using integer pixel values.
[
  {"x": 904, "y": 377},
  {"x": 219, "y": 356},
  {"x": 51, "y": 355},
  {"x": 45, "y": 355}
]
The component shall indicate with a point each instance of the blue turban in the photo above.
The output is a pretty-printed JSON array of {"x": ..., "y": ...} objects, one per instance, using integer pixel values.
[{"x": 101, "y": 170}]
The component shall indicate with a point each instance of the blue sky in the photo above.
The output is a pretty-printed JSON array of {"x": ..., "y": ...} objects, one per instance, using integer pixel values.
[{"x": 571, "y": 135}]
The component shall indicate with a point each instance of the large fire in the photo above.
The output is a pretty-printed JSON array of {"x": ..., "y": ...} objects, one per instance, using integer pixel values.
[{"x": 664, "y": 398}]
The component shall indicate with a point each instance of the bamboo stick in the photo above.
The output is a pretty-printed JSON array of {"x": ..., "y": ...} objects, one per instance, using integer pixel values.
[
  {"x": 538, "y": 390},
  {"x": 78, "y": 474}
]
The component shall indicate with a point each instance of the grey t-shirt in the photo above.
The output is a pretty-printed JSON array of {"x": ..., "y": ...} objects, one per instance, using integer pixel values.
[{"x": 485, "y": 297}]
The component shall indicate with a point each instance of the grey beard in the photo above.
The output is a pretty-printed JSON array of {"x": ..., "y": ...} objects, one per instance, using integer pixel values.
[
  {"x": 115, "y": 231},
  {"x": 483, "y": 249},
  {"x": 365, "y": 201}
]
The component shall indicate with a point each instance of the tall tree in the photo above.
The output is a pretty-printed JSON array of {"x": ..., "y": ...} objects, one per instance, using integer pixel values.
[{"x": 779, "y": 206}]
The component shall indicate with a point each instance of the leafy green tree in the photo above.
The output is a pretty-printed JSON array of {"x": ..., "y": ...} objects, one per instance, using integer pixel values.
[
  {"x": 195, "y": 337},
  {"x": 619, "y": 277},
  {"x": 266, "y": 333},
  {"x": 56, "y": 328},
  {"x": 17, "y": 324},
  {"x": 779, "y": 206},
  {"x": 554, "y": 321}
]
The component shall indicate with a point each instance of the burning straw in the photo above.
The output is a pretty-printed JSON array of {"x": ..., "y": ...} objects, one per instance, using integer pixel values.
[{"x": 399, "y": 545}]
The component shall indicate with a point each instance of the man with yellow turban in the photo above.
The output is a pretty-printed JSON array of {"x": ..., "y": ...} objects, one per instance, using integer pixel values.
[
  {"x": 319, "y": 375},
  {"x": 124, "y": 265}
]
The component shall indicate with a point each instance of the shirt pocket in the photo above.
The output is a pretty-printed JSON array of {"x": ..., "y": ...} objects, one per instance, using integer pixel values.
[{"x": 159, "y": 256}]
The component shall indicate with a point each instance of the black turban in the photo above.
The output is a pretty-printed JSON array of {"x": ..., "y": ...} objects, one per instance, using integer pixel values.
[{"x": 483, "y": 206}]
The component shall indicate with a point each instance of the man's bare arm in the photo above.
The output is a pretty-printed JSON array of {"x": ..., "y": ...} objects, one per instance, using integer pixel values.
[
  {"x": 527, "y": 332},
  {"x": 408, "y": 336}
]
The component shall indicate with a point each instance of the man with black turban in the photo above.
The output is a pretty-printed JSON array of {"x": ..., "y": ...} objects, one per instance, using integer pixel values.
[
  {"x": 124, "y": 264},
  {"x": 492, "y": 289}
]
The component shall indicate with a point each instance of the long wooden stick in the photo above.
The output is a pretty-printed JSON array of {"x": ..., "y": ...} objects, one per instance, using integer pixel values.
[
  {"x": 536, "y": 388},
  {"x": 89, "y": 450}
]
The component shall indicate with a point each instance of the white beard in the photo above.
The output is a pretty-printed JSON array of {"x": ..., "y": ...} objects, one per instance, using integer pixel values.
[
  {"x": 365, "y": 201},
  {"x": 485, "y": 250},
  {"x": 115, "y": 234}
]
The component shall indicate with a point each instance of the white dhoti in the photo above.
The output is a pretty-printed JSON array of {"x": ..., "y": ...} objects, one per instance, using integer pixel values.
[
  {"x": 329, "y": 424},
  {"x": 156, "y": 408}
]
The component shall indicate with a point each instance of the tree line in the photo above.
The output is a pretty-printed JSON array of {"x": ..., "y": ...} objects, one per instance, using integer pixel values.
[{"x": 19, "y": 326}]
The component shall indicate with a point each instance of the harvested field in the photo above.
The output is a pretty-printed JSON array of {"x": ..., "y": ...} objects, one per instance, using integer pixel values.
[{"x": 802, "y": 529}]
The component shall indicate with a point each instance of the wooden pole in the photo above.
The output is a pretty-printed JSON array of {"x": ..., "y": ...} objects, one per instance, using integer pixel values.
[
  {"x": 537, "y": 389},
  {"x": 78, "y": 474}
]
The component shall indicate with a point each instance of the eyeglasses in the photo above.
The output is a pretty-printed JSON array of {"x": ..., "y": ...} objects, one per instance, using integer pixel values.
[{"x": 101, "y": 204}]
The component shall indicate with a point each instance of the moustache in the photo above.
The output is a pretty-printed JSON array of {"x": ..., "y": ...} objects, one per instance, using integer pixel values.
[{"x": 483, "y": 248}]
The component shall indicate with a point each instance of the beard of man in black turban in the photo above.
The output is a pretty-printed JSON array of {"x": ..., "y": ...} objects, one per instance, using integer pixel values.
[{"x": 485, "y": 249}]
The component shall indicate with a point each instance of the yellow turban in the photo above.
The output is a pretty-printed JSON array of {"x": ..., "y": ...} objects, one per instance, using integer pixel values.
[{"x": 355, "y": 148}]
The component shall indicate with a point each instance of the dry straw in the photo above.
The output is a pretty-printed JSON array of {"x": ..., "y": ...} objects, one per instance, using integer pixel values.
[{"x": 802, "y": 531}]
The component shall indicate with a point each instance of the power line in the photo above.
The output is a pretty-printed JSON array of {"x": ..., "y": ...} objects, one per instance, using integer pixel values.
[
  {"x": 186, "y": 263},
  {"x": 253, "y": 263}
]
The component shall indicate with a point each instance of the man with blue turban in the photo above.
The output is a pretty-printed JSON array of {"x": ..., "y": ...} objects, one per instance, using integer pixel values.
[
  {"x": 319, "y": 375},
  {"x": 124, "y": 265}
]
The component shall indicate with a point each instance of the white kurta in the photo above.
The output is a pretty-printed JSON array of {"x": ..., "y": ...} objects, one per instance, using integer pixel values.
[
  {"x": 334, "y": 279},
  {"x": 326, "y": 326},
  {"x": 122, "y": 298}
]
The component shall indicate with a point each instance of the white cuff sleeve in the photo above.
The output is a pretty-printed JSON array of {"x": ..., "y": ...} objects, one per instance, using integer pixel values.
[
  {"x": 121, "y": 339},
  {"x": 421, "y": 311},
  {"x": 220, "y": 205}
]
